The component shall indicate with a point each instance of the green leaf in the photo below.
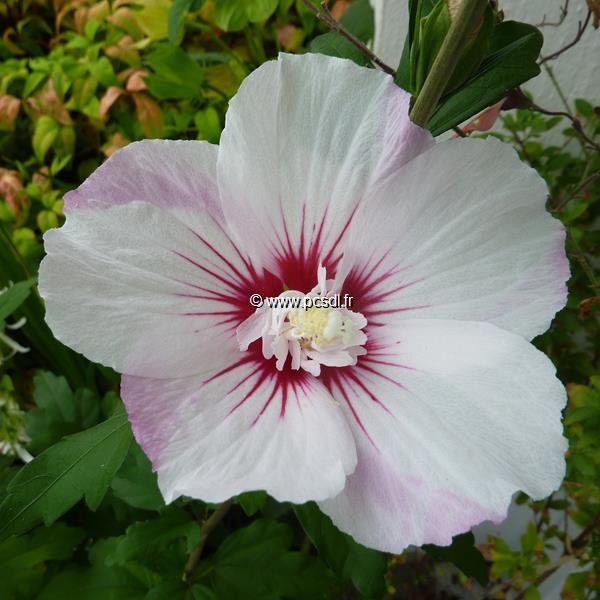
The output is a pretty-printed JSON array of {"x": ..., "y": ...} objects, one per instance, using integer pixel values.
[
  {"x": 81, "y": 465},
  {"x": 46, "y": 131},
  {"x": 233, "y": 15},
  {"x": 252, "y": 502},
  {"x": 146, "y": 537},
  {"x": 263, "y": 547},
  {"x": 429, "y": 35},
  {"x": 38, "y": 334},
  {"x": 33, "y": 82},
  {"x": 60, "y": 411},
  {"x": 177, "y": 13},
  {"x": 135, "y": 483},
  {"x": 99, "y": 581},
  {"x": 359, "y": 20},
  {"x": 529, "y": 539},
  {"x": 7, "y": 472},
  {"x": 102, "y": 70},
  {"x": 177, "y": 76},
  {"x": 333, "y": 44},
  {"x": 464, "y": 555},
  {"x": 364, "y": 567},
  {"x": 57, "y": 542},
  {"x": 174, "y": 589},
  {"x": 584, "y": 108},
  {"x": 514, "y": 49},
  {"x": 22, "y": 558},
  {"x": 532, "y": 593},
  {"x": 13, "y": 296},
  {"x": 208, "y": 124}
]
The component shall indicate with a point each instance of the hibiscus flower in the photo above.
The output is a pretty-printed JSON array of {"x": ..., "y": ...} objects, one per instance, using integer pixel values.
[{"x": 410, "y": 415}]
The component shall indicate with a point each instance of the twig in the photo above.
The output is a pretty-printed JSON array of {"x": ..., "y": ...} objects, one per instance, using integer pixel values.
[
  {"x": 563, "y": 560},
  {"x": 459, "y": 132},
  {"x": 580, "y": 540},
  {"x": 575, "y": 122},
  {"x": 205, "y": 531},
  {"x": 324, "y": 14},
  {"x": 544, "y": 510},
  {"x": 576, "y": 544},
  {"x": 580, "y": 31},
  {"x": 564, "y": 11},
  {"x": 577, "y": 252},
  {"x": 519, "y": 141},
  {"x": 576, "y": 191},
  {"x": 446, "y": 60}
]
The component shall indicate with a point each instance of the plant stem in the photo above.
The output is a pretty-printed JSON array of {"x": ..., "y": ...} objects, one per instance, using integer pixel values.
[
  {"x": 446, "y": 60},
  {"x": 205, "y": 531},
  {"x": 324, "y": 14}
]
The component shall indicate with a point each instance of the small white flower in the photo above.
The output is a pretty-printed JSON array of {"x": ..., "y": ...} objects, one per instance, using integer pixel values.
[{"x": 13, "y": 436}]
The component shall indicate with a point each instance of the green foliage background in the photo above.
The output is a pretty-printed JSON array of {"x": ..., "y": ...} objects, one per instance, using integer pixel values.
[{"x": 80, "y": 79}]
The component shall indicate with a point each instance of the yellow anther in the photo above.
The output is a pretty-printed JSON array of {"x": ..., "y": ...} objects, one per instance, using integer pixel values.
[{"x": 312, "y": 323}]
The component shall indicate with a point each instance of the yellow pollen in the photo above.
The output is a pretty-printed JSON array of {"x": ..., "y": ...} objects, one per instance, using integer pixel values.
[{"x": 312, "y": 322}]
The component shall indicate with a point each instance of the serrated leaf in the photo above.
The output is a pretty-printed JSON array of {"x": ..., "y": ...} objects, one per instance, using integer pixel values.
[
  {"x": 364, "y": 567},
  {"x": 60, "y": 411},
  {"x": 464, "y": 555},
  {"x": 97, "y": 582},
  {"x": 145, "y": 537},
  {"x": 252, "y": 502},
  {"x": 135, "y": 483},
  {"x": 80, "y": 466},
  {"x": 263, "y": 547}
]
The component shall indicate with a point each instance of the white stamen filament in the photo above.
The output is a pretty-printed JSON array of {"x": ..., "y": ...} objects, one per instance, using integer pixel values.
[{"x": 311, "y": 336}]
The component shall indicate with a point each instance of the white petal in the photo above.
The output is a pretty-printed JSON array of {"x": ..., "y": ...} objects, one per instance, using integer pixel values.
[
  {"x": 461, "y": 232},
  {"x": 249, "y": 428},
  {"x": 134, "y": 288},
  {"x": 305, "y": 138},
  {"x": 178, "y": 176},
  {"x": 450, "y": 419}
]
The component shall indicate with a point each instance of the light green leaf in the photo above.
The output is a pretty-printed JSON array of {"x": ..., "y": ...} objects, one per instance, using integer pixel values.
[
  {"x": 233, "y": 15},
  {"x": 80, "y": 466},
  {"x": 46, "y": 131},
  {"x": 176, "y": 75},
  {"x": 177, "y": 13}
]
